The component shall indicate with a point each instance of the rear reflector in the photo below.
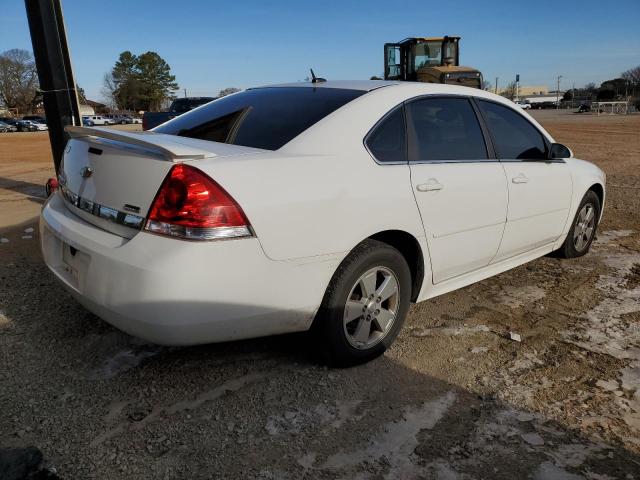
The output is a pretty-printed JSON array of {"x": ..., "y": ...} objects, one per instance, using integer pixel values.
[
  {"x": 51, "y": 186},
  {"x": 191, "y": 205}
]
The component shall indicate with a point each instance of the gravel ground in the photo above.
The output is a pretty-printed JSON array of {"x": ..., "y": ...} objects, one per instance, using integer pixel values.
[{"x": 455, "y": 398}]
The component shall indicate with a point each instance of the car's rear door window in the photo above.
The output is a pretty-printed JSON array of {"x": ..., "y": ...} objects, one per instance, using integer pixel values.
[
  {"x": 514, "y": 137},
  {"x": 265, "y": 118},
  {"x": 387, "y": 142},
  {"x": 444, "y": 129}
]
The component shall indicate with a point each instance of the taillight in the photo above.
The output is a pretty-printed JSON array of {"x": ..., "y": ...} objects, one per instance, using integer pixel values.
[{"x": 191, "y": 205}]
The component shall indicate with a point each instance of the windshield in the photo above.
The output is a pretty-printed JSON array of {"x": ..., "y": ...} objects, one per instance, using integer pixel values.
[
  {"x": 430, "y": 54},
  {"x": 264, "y": 118}
]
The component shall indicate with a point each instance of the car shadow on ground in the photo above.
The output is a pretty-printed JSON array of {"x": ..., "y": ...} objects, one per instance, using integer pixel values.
[
  {"x": 102, "y": 404},
  {"x": 32, "y": 191}
]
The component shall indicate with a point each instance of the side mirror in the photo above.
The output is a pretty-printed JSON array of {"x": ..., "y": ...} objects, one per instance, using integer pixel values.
[{"x": 560, "y": 151}]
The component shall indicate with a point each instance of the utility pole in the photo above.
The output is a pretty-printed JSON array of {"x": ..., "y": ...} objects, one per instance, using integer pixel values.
[
  {"x": 496, "y": 85},
  {"x": 58, "y": 87},
  {"x": 558, "y": 93},
  {"x": 573, "y": 93},
  {"x": 185, "y": 93},
  {"x": 517, "y": 87}
]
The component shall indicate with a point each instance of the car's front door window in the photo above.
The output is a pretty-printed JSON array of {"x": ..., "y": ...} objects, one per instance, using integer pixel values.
[{"x": 514, "y": 137}]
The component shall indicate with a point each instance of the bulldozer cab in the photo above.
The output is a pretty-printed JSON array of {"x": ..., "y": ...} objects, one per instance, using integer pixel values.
[{"x": 431, "y": 60}]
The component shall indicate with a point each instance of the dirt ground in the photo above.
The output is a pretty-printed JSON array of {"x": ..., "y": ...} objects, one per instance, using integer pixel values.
[{"x": 455, "y": 398}]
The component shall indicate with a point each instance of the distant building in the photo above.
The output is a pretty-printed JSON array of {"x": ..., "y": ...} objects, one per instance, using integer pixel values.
[
  {"x": 525, "y": 90},
  {"x": 550, "y": 96},
  {"x": 96, "y": 108},
  {"x": 86, "y": 110}
]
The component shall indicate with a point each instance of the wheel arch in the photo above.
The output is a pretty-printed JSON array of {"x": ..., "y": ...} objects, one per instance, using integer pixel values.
[
  {"x": 410, "y": 249},
  {"x": 598, "y": 189}
]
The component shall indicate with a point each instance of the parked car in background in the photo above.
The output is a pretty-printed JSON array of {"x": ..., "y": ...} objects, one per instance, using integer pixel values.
[
  {"x": 38, "y": 126},
  {"x": 584, "y": 108},
  {"x": 6, "y": 127},
  {"x": 177, "y": 108},
  {"x": 95, "y": 120},
  {"x": 26, "y": 126},
  {"x": 136, "y": 120},
  {"x": 333, "y": 205},
  {"x": 35, "y": 118},
  {"x": 21, "y": 126},
  {"x": 523, "y": 104},
  {"x": 121, "y": 119}
]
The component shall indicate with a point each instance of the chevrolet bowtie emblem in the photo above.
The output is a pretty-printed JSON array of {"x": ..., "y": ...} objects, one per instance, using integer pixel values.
[{"x": 86, "y": 172}]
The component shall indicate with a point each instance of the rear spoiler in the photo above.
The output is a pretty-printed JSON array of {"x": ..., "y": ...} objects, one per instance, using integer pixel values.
[{"x": 166, "y": 145}]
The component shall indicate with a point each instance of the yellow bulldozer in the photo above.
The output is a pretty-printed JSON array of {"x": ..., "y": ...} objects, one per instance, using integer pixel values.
[{"x": 431, "y": 60}]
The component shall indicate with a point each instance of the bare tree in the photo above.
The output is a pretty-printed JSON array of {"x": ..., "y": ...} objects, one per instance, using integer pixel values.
[
  {"x": 632, "y": 76},
  {"x": 228, "y": 91},
  {"x": 109, "y": 90},
  {"x": 18, "y": 80},
  {"x": 509, "y": 91}
]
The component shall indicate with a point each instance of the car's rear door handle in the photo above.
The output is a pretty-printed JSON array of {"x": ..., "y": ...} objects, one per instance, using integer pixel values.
[
  {"x": 521, "y": 178},
  {"x": 431, "y": 185}
]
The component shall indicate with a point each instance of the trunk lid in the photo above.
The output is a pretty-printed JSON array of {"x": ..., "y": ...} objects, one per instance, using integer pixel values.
[{"x": 110, "y": 178}]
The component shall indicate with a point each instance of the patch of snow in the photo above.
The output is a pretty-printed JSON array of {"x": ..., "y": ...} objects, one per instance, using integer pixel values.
[
  {"x": 396, "y": 442},
  {"x": 450, "y": 331},
  {"x": 609, "y": 330},
  {"x": 479, "y": 350},
  {"x": 604, "y": 238},
  {"x": 533, "y": 439},
  {"x": 516, "y": 297},
  {"x": 548, "y": 471}
]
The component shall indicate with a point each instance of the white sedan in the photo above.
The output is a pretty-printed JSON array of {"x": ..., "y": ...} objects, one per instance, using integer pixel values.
[
  {"x": 330, "y": 204},
  {"x": 524, "y": 105}
]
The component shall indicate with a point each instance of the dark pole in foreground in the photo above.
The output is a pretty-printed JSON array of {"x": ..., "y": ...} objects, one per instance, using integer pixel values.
[{"x": 58, "y": 87}]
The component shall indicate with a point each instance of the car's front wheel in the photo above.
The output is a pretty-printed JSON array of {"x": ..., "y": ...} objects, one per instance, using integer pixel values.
[
  {"x": 365, "y": 304},
  {"x": 583, "y": 228}
]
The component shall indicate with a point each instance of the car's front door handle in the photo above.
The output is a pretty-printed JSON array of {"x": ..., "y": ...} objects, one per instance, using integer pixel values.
[
  {"x": 431, "y": 185},
  {"x": 521, "y": 178}
]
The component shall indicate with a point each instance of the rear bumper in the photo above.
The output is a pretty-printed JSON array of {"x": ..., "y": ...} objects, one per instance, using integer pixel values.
[{"x": 175, "y": 292}]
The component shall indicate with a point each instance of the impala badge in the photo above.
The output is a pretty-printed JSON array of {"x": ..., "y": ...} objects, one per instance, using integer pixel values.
[{"x": 86, "y": 172}]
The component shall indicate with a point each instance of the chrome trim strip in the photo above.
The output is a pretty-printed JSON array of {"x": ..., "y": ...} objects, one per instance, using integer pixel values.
[
  {"x": 102, "y": 211},
  {"x": 197, "y": 233}
]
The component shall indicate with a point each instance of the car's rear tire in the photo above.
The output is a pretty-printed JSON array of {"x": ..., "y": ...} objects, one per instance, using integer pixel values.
[
  {"x": 364, "y": 306},
  {"x": 583, "y": 228}
]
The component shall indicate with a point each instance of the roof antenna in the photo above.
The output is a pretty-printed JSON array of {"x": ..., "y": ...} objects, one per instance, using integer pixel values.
[{"x": 315, "y": 79}]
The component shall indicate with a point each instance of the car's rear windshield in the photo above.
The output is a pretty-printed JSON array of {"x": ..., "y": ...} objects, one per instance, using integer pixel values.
[{"x": 265, "y": 118}]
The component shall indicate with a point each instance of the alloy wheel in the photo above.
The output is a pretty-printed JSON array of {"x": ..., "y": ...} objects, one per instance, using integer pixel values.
[
  {"x": 585, "y": 225},
  {"x": 371, "y": 308}
]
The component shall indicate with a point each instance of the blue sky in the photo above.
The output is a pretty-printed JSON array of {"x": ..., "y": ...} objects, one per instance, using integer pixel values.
[{"x": 211, "y": 45}]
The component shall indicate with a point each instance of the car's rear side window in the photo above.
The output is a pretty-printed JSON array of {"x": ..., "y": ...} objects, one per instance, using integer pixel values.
[
  {"x": 444, "y": 129},
  {"x": 387, "y": 141},
  {"x": 261, "y": 118},
  {"x": 514, "y": 137}
]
